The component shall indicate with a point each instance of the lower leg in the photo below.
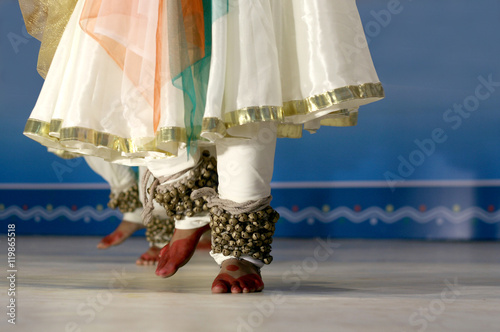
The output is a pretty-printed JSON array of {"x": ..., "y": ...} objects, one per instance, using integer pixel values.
[
  {"x": 175, "y": 247},
  {"x": 159, "y": 232},
  {"x": 124, "y": 196},
  {"x": 179, "y": 251},
  {"x": 176, "y": 182},
  {"x": 243, "y": 223}
]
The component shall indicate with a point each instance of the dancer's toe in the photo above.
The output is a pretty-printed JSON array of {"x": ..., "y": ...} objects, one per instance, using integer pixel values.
[
  {"x": 235, "y": 288},
  {"x": 149, "y": 258},
  {"x": 220, "y": 286},
  {"x": 167, "y": 270}
]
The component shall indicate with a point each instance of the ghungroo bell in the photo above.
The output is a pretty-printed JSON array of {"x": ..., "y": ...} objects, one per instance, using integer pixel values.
[
  {"x": 243, "y": 234},
  {"x": 125, "y": 201},
  {"x": 176, "y": 197},
  {"x": 160, "y": 231}
]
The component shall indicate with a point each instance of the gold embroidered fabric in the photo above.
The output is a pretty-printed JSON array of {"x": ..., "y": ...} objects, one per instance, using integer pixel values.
[{"x": 46, "y": 20}]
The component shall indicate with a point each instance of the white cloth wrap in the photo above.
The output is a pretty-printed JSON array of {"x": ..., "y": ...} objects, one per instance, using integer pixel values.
[
  {"x": 245, "y": 169},
  {"x": 168, "y": 167}
]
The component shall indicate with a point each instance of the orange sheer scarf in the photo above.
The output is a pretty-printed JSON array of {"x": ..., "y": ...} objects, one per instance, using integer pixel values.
[{"x": 152, "y": 41}]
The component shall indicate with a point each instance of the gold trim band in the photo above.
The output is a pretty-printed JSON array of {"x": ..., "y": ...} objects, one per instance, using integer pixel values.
[
  {"x": 254, "y": 114},
  {"x": 333, "y": 97},
  {"x": 55, "y": 127},
  {"x": 288, "y": 130},
  {"x": 62, "y": 137},
  {"x": 213, "y": 125},
  {"x": 171, "y": 134},
  {"x": 40, "y": 129}
]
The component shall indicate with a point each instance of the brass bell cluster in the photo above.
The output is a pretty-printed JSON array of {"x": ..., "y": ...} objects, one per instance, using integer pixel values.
[
  {"x": 160, "y": 231},
  {"x": 125, "y": 201},
  {"x": 243, "y": 234},
  {"x": 176, "y": 197}
]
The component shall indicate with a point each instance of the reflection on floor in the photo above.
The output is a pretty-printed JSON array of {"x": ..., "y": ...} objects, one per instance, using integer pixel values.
[{"x": 65, "y": 284}]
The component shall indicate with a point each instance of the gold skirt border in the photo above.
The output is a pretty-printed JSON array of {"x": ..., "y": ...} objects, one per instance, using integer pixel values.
[{"x": 54, "y": 135}]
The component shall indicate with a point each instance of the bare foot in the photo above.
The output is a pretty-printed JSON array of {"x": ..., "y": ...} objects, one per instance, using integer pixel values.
[
  {"x": 237, "y": 276},
  {"x": 120, "y": 234},
  {"x": 179, "y": 251},
  {"x": 150, "y": 257}
]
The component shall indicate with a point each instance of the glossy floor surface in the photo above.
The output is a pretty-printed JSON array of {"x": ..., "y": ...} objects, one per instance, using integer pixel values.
[{"x": 65, "y": 284}]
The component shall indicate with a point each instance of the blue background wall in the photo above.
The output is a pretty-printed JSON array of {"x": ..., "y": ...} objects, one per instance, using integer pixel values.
[{"x": 431, "y": 56}]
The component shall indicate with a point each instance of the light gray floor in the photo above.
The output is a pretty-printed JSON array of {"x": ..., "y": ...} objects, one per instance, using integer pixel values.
[{"x": 65, "y": 284}]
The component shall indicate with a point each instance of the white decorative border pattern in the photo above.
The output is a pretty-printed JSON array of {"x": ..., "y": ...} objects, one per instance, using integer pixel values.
[{"x": 310, "y": 215}]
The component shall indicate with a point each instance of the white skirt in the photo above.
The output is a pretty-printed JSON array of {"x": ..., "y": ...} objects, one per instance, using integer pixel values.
[{"x": 301, "y": 63}]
